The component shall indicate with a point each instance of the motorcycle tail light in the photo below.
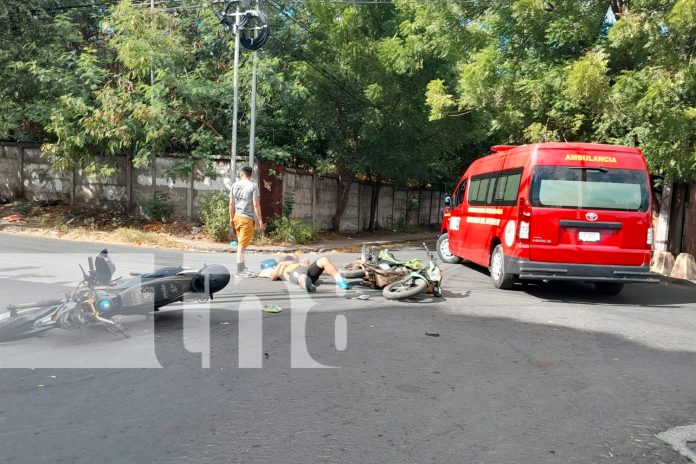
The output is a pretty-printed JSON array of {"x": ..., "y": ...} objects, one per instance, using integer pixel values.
[{"x": 524, "y": 214}]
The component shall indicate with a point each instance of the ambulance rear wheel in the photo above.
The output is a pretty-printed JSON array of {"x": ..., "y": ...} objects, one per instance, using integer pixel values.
[
  {"x": 501, "y": 279},
  {"x": 443, "y": 250}
]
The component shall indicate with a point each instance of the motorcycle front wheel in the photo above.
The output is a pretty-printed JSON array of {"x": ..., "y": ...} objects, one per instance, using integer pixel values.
[
  {"x": 21, "y": 324},
  {"x": 404, "y": 288},
  {"x": 353, "y": 271}
]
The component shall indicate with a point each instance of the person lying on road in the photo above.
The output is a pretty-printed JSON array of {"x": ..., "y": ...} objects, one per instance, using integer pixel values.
[{"x": 301, "y": 271}]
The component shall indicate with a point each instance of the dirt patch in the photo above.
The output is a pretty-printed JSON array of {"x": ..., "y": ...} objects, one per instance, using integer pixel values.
[
  {"x": 60, "y": 221},
  {"x": 109, "y": 226}
]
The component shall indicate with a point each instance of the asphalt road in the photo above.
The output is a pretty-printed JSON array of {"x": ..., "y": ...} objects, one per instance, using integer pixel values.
[{"x": 539, "y": 374}]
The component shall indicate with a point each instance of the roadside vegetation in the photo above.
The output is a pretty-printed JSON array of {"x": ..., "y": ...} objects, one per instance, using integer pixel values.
[{"x": 405, "y": 91}]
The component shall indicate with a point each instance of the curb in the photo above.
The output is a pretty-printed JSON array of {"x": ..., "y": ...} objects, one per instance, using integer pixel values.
[{"x": 318, "y": 248}]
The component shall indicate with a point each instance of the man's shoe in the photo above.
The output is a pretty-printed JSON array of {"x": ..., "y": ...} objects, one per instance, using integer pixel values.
[
  {"x": 246, "y": 274},
  {"x": 308, "y": 285},
  {"x": 341, "y": 282}
]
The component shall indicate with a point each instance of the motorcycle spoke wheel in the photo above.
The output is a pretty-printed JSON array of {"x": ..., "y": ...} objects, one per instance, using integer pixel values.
[
  {"x": 353, "y": 271},
  {"x": 404, "y": 288}
]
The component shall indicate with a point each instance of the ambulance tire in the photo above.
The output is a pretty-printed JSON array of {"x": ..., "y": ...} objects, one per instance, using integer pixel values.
[
  {"x": 501, "y": 279},
  {"x": 443, "y": 250}
]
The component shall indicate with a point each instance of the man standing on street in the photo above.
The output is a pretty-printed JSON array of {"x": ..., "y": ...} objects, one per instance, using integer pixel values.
[{"x": 244, "y": 203}]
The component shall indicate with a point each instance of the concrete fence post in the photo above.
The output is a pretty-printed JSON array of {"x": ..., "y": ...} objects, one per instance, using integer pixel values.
[
  {"x": 21, "y": 173},
  {"x": 393, "y": 219},
  {"x": 430, "y": 208},
  {"x": 129, "y": 184},
  {"x": 73, "y": 180},
  {"x": 314, "y": 199},
  {"x": 420, "y": 204},
  {"x": 359, "y": 202},
  {"x": 189, "y": 193}
]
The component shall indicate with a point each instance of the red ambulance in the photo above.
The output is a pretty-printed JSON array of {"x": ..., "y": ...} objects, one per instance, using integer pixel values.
[{"x": 553, "y": 211}]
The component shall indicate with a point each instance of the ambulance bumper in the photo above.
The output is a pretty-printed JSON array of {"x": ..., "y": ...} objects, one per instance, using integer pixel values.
[{"x": 530, "y": 270}]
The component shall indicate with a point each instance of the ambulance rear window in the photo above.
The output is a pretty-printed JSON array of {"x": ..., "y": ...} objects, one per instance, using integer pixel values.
[{"x": 589, "y": 188}]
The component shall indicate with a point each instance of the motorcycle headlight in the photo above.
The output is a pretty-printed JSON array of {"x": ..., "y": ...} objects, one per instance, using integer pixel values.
[
  {"x": 105, "y": 306},
  {"x": 436, "y": 274}
]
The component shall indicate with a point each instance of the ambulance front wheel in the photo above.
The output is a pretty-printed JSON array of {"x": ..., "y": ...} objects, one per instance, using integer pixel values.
[
  {"x": 443, "y": 250},
  {"x": 501, "y": 279}
]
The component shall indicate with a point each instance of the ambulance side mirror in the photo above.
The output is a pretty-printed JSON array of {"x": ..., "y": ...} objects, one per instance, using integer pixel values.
[{"x": 448, "y": 201}]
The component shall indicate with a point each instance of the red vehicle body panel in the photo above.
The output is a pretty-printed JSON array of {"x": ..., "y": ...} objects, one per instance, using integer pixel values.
[{"x": 601, "y": 236}]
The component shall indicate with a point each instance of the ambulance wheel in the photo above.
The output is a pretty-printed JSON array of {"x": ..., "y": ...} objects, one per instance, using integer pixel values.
[
  {"x": 444, "y": 252},
  {"x": 501, "y": 279},
  {"x": 608, "y": 288}
]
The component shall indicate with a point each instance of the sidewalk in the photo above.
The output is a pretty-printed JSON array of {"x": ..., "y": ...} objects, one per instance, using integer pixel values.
[{"x": 319, "y": 247}]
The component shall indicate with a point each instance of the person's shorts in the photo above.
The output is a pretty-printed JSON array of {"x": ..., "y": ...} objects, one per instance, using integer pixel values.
[
  {"x": 312, "y": 271},
  {"x": 244, "y": 227}
]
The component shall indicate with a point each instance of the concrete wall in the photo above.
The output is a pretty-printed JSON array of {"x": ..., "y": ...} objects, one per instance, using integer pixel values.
[
  {"x": 25, "y": 174},
  {"x": 395, "y": 207},
  {"x": 10, "y": 172}
]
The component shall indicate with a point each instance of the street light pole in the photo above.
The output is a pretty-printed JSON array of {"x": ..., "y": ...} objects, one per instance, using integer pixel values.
[
  {"x": 153, "y": 172},
  {"x": 235, "y": 104},
  {"x": 252, "y": 131}
]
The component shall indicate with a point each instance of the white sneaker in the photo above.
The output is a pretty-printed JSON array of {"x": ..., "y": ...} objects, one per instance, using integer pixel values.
[{"x": 246, "y": 274}]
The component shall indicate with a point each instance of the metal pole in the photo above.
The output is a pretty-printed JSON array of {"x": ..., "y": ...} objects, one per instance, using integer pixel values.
[
  {"x": 153, "y": 171},
  {"x": 235, "y": 104},
  {"x": 252, "y": 132}
]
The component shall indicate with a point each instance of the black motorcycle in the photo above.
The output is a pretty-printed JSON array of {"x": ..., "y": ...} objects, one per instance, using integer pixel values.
[{"x": 98, "y": 298}]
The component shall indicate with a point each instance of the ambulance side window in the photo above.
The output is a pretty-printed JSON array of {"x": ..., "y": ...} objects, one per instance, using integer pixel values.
[{"x": 459, "y": 194}]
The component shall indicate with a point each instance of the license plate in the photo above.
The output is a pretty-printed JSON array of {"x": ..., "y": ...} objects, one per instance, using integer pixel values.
[{"x": 589, "y": 236}]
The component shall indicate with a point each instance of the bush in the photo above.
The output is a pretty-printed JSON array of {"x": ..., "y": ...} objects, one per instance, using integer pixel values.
[
  {"x": 158, "y": 208},
  {"x": 216, "y": 215},
  {"x": 293, "y": 231}
]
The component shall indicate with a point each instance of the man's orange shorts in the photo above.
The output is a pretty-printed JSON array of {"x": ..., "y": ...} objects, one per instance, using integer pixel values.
[{"x": 244, "y": 227}]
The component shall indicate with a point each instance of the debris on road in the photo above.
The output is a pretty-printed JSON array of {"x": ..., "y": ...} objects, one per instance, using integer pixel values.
[
  {"x": 271, "y": 309},
  {"x": 432, "y": 334}
]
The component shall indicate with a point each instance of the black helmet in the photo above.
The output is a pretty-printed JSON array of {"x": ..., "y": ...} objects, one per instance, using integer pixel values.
[{"x": 211, "y": 279}]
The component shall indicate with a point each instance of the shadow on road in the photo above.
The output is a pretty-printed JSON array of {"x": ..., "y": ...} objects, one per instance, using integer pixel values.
[{"x": 668, "y": 293}]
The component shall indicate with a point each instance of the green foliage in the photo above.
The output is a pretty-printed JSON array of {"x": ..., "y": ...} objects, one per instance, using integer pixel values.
[
  {"x": 159, "y": 207},
  {"x": 214, "y": 210},
  {"x": 25, "y": 208},
  {"x": 409, "y": 91},
  {"x": 288, "y": 203},
  {"x": 290, "y": 230}
]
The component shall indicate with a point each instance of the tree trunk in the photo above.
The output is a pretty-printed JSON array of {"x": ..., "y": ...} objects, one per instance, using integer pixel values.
[
  {"x": 374, "y": 200},
  {"x": 662, "y": 233},
  {"x": 345, "y": 179},
  {"x": 619, "y": 8}
]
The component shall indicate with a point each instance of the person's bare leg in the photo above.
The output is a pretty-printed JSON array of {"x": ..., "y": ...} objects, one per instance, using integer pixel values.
[
  {"x": 330, "y": 269},
  {"x": 327, "y": 266},
  {"x": 306, "y": 283}
]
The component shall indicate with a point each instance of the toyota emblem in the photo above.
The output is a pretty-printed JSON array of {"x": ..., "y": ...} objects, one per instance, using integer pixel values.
[{"x": 592, "y": 217}]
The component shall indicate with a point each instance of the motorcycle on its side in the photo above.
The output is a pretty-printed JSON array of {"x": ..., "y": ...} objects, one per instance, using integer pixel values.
[
  {"x": 423, "y": 279},
  {"x": 397, "y": 278},
  {"x": 98, "y": 298}
]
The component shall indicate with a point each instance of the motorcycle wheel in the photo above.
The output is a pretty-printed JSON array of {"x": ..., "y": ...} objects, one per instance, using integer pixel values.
[
  {"x": 352, "y": 271},
  {"x": 21, "y": 325},
  {"x": 404, "y": 288}
]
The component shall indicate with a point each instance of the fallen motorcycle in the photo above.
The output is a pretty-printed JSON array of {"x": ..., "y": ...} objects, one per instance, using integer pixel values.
[
  {"x": 98, "y": 298},
  {"x": 398, "y": 279},
  {"x": 424, "y": 279}
]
